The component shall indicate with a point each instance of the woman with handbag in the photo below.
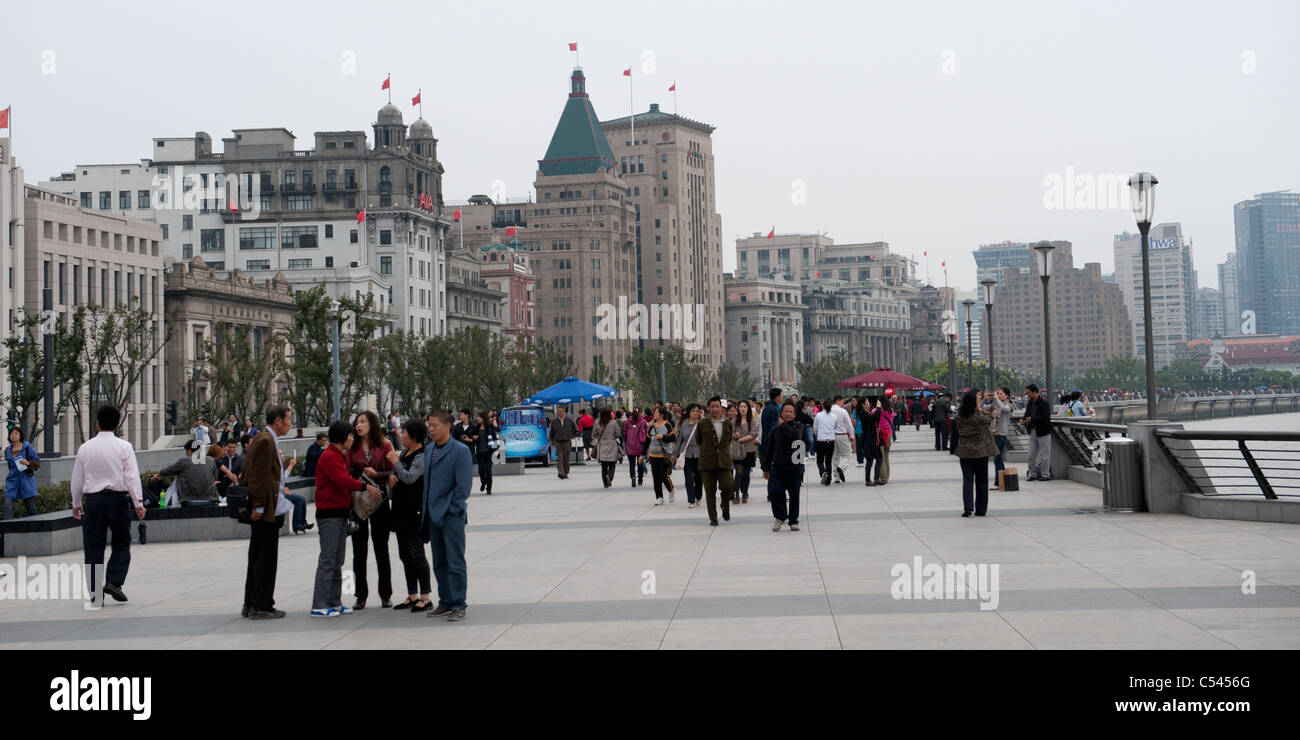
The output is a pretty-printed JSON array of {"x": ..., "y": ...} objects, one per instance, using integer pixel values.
[
  {"x": 407, "y": 485},
  {"x": 20, "y": 482},
  {"x": 334, "y": 493},
  {"x": 485, "y": 445},
  {"x": 605, "y": 434},
  {"x": 659, "y": 450},
  {"x": 744, "y": 448},
  {"x": 887, "y": 429},
  {"x": 634, "y": 443},
  {"x": 369, "y": 457},
  {"x": 974, "y": 447}
]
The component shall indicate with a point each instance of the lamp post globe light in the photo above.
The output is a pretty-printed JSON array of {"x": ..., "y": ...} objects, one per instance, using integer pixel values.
[
  {"x": 969, "y": 305},
  {"x": 1142, "y": 188},
  {"x": 1043, "y": 253},
  {"x": 989, "y": 286}
]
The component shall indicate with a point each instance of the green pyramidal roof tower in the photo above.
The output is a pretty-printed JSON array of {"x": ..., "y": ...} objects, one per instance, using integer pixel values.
[{"x": 579, "y": 146}]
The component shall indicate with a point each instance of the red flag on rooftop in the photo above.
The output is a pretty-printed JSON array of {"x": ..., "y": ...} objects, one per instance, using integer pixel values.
[
  {"x": 673, "y": 87},
  {"x": 772, "y": 234},
  {"x": 386, "y": 81},
  {"x": 627, "y": 72},
  {"x": 415, "y": 100},
  {"x": 456, "y": 215},
  {"x": 573, "y": 46},
  {"x": 4, "y": 118},
  {"x": 511, "y": 231},
  {"x": 361, "y": 217}
]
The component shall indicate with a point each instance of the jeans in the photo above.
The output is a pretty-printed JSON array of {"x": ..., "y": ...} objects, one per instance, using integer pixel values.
[
  {"x": 299, "y": 511},
  {"x": 998, "y": 465},
  {"x": 873, "y": 462},
  {"x": 636, "y": 468},
  {"x": 941, "y": 436},
  {"x": 784, "y": 481},
  {"x": 28, "y": 503},
  {"x": 447, "y": 547},
  {"x": 694, "y": 486},
  {"x": 860, "y": 447},
  {"x": 882, "y": 464},
  {"x": 975, "y": 484},
  {"x": 375, "y": 529},
  {"x": 104, "y": 512},
  {"x": 1040, "y": 455},
  {"x": 329, "y": 566}
]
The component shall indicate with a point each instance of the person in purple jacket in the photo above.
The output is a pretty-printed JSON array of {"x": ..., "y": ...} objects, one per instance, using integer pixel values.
[{"x": 634, "y": 436}]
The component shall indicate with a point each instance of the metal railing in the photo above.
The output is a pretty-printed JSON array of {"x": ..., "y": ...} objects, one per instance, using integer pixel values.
[
  {"x": 1080, "y": 438},
  {"x": 1235, "y": 463}
]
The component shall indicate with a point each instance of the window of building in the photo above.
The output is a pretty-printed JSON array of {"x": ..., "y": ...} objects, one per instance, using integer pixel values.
[
  {"x": 257, "y": 237},
  {"x": 385, "y": 265},
  {"x": 329, "y": 231},
  {"x": 298, "y": 237},
  {"x": 86, "y": 199},
  {"x": 385, "y": 236},
  {"x": 187, "y": 252},
  {"x": 297, "y": 203},
  {"x": 300, "y": 264},
  {"x": 124, "y": 200},
  {"x": 187, "y": 223},
  {"x": 105, "y": 200},
  {"x": 212, "y": 240},
  {"x": 259, "y": 264},
  {"x": 352, "y": 236},
  {"x": 329, "y": 261}
]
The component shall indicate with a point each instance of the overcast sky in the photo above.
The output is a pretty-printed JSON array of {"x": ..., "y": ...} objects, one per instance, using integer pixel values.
[{"x": 932, "y": 126}]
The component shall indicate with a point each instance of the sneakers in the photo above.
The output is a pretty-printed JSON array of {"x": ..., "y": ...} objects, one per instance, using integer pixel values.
[
  {"x": 259, "y": 614},
  {"x": 326, "y": 613},
  {"x": 671, "y": 497},
  {"x": 457, "y": 615},
  {"x": 343, "y": 609},
  {"x": 826, "y": 479},
  {"x": 776, "y": 525},
  {"x": 840, "y": 473},
  {"x": 794, "y": 527},
  {"x": 441, "y": 611},
  {"x": 659, "y": 502}
]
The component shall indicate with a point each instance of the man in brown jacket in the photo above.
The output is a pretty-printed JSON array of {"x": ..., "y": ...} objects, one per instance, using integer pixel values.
[
  {"x": 265, "y": 476},
  {"x": 714, "y": 438}
]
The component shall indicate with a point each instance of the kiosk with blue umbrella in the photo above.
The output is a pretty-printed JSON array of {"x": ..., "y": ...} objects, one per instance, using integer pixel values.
[{"x": 527, "y": 438}]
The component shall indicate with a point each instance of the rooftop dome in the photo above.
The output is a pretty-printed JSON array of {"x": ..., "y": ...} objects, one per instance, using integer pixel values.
[
  {"x": 390, "y": 114},
  {"x": 421, "y": 129}
]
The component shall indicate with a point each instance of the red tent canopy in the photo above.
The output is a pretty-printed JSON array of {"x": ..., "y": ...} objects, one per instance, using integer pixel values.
[{"x": 883, "y": 376}]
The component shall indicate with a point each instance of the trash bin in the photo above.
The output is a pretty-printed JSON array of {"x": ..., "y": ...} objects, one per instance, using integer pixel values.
[{"x": 1122, "y": 475}]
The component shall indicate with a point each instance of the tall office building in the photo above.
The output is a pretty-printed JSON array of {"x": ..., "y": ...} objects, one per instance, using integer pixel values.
[
  {"x": 1209, "y": 313},
  {"x": 13, "y": 242},
  {"x": 669, "y": 173},
  {"x": 1268, "y": 253},
  {"x": 765, "y": 329},
  {"x": 1173, "y": 290},
  {"x": 1090, "y": 324},
  {"x": 1228, "y": 294},
  {"x": 584, "y": 225},
  {"x": 991, "y": 260}
]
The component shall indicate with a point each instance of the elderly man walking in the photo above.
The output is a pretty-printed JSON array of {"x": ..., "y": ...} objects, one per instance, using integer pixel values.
[{"x": 448, "y": 475}]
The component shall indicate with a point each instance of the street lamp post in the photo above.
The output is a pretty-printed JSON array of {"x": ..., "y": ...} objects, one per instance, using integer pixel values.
[
  {"x": 950, "y": 335},
  {"x": 1143, "y": 191},
  {"x": 47, "y": 328},
  {"x": 1044, "y": 252},
  {"x": 969, "y": 305},
  {"x": 986, "y": 338},
  {"x": 663, "y": 383}
]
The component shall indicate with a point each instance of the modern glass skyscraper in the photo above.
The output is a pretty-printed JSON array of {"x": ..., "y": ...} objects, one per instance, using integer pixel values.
[
  {"x": 1173, "y": 289},
  {"x": 1268, "y": 254}
]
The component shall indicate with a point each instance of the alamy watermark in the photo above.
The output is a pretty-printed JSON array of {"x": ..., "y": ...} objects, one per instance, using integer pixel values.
[
  {"x": 946, "y": 581},
  {"x": 680, "y": 322},
  {"x": 235, "y": 193},
  {"x": 1084, "y": 191}
]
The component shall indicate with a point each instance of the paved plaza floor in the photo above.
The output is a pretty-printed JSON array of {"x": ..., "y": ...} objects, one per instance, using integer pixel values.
[{"x": 568, "y": 564}]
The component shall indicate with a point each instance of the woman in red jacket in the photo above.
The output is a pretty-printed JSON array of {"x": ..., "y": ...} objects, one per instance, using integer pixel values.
[{"x": 334, "y": 487}]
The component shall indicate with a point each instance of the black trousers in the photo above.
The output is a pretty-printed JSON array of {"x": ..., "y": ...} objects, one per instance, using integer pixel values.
[
  {"x": 485, "y": 470},
  {"x": 940, "y": 436},
  {"x": 825, "y": 453},
  {"x": 975, "y": 484},
  {"x": 104, "y": 512},
  {"x": 607, "y": 470},
  {"x": 410, "y": 548},
  {"x": 263, "y": 559},
  {"x": 784, "y": 481},
  {"x": 375, "y": 529},
  {"x": 658, "y": 472},
  {"x": 873, "y": 461}
]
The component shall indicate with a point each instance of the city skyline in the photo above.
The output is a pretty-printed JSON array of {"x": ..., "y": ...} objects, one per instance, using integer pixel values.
[{"x": 980, "y": 124}]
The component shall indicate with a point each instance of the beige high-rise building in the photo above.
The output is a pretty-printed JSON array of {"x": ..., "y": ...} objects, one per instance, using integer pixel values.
[
  {"x": 667, "y": 165},
  {"x": 765, "y": 326},
  {"x": 1090, "y": 324},
  {"x": 583, "y": 235}
]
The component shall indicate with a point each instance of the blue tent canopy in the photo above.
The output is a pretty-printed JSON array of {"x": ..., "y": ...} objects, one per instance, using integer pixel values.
[{"x": 570, "y": 390}]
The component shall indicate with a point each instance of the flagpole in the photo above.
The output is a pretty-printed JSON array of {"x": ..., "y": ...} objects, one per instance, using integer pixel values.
[
  {"x": 674, "y": 97},
  {"x": 419, "y": 93},
  {"x": 631, "y": 104},
  {"x": 390, "y": 87}
]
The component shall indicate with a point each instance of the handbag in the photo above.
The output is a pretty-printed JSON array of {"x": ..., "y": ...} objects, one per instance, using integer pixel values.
[
  {"x": 363, "y": 504},
  {"x": 238, "y": 506},
  {"x": 680, "y": 463}
]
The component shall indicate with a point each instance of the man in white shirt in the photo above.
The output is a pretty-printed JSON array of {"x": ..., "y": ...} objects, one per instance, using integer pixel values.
[
  {"x": 201, "y": 433},
  {"x": 824, "y": 424},
  {"x": 843, "y": 436},
  {"x": 105, "y": 487}
]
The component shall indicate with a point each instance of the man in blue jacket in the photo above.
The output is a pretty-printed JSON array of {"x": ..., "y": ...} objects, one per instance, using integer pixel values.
[{"x": 448, "y": 474}]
